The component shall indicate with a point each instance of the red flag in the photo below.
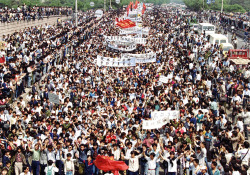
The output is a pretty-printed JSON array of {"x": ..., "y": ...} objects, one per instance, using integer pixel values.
[
  {"x": 128, "y": 9},
  {"x": 126, "y": 23},
  {"x": 136, "y": 4},
  {"x": 143, "y": 9},
  {"x": 106, "y": 164},
  {"x": 132, "y": 5}
]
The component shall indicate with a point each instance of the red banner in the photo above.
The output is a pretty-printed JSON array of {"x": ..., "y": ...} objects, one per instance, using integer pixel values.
[
  {"x": 126, "y": 24},
  {"x": 106, "y": 163}
]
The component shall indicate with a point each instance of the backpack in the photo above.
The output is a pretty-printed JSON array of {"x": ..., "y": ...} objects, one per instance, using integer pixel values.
[{"x": 49, "y": 171}]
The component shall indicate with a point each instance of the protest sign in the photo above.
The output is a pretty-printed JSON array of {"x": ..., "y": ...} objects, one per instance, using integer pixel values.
[
  {"x": 160, "y": 118},
  {"x": 164, "y": 79},
  {"x": 115, "y": 62},
  {"x": 53, "y": 98},
  {"x": 142, "y": 58},
  {"x": 122, "y": 46},
  {"x": 126, "y": 39},
  {"x": 135, "y": 30}
]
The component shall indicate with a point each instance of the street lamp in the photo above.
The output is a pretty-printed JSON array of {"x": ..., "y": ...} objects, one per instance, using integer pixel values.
[{"x": 76, "y": 12}]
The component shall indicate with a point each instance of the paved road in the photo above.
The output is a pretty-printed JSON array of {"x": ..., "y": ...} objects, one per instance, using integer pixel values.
[{"x": 8, "y": 28}]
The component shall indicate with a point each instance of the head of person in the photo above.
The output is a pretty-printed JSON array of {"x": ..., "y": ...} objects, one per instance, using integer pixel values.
[
  {"x": 214, "y": 165},
  {"x": 172, "y": 154},
  {"x": 152, "y": 156},
  {"x": 89, "y": 158},
  {"x": 69, "y": 156},
  {"x": 50, "y": 162}
]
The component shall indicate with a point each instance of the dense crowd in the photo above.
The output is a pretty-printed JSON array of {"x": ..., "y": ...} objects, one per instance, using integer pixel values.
[
  {"x": 100, "y": 110},
  {"x": 27, "y": 13}
]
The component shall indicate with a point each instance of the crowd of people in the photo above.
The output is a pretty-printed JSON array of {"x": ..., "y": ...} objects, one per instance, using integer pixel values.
[
  {"x": 100, "y": 110},
  {"x": 27, "y": 13}
]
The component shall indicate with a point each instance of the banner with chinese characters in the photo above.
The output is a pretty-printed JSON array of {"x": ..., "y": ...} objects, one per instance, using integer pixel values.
[
  {"x": 142, "y": 58},
  {"x": 135, "y": 30},
  {"x": 115, "y": 62},
  {"x": 160, "y": 118},
  {"x": 126, "y": 39}
]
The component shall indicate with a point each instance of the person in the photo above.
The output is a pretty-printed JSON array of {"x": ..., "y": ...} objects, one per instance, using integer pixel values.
[
  {"x": 89, "y": 165},
  {"x": 36, "y": 158},
  {"x": 151, "y": 163},
  {"x": 133, "y": 163},
  {"x": 25, "y": 171},
  {"x": 51, "y": 169},
  {"x": 172, "y": 162},
  {"x": 213, "y": 169},
  {"x": 20, "y": 161},
  {"x": 69, "y": 167},
  {"x": 244, "y": 153}
]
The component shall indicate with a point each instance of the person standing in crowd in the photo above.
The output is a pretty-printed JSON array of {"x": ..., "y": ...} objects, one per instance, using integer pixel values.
[{"x": 51, "y": 169}]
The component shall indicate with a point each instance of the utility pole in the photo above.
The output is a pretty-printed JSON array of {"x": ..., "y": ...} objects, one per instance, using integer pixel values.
[
  {"x": 221, "y": 6},
  {"x": 76, "y": 12},
  {"x": 104, "y": 5},
  {"x": 110, "y": 4}
]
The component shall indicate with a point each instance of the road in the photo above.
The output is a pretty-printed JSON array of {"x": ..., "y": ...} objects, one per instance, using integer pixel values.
[{"x": 8, "y": 28}]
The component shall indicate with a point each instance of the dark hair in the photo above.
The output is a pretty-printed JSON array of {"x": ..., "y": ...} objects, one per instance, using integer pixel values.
[
  {"x": 50, "y": 162},
  {"x": 152, "y": 154},
  {"x": 246, "y": 144},
  {"x": 214, "y": 163},
  {"x": 69, "y": 155}
]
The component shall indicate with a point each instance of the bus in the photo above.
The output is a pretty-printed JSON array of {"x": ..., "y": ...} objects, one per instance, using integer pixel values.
[
  {"x": 207, "y": 27},
  {"x": 218, "y": 38}
]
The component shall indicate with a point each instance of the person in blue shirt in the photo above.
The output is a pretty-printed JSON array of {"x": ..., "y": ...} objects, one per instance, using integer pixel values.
[
  {"x": 208, "y": 138},
  {"x": 89, "y": 164},
  {"x": 212, "y": 169},
  {"x": 6, "y": 158},
  {"x": 193, "y": 119}
]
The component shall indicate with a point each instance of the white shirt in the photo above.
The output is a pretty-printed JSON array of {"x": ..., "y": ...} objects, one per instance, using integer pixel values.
[
  {"x": 25, "y": 174},
  {"x": 151, "y": 163},
  {"x": 242, "y": 154},
  {"x": 116, "y": 154},
  {"x": 170, "y": 167},
  {"x": 133, "y": 163},
  {"x": 54, "y": 169}
]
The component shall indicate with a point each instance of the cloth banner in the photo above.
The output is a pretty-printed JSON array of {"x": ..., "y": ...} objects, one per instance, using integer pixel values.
[
  {"x": 126, "y": 39},
  {"x": 122, "y": 46},
  {"x": 164, "y": 79},
  {"x": 127, "y": 23},
  {"x": 106, "y": 163},
  {"x": 142, "y": 58},
  {"x": 160, "y": 118},
  {"x": 135, "y": 30},
  {"x": 115, "y": 62}
]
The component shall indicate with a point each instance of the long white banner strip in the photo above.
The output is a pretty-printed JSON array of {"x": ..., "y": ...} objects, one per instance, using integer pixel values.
[{"x": 115, "y": 62}]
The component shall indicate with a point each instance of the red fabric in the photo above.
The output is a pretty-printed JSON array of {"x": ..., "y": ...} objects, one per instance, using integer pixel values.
[
  {"x": 126, "y": 24},
  {"x": 109, "y": 138},
  {"x": 136, "y": 4},
  {"x": 106, "y": 163},
  {"x": 128, "y": 10},
  {"x": 143, "y": 9},
  {"x": 2, "y": 60}
]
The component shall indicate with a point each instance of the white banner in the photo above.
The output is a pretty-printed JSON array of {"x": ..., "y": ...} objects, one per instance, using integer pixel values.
[
  {"x": 142, "y": 58},
  {"x": 135, "y": 30},
  {"x": 126, "y": 39},
  {"x": 160, "y": 118},
  {"x": 121, "y": 47},
  {"x": 164, "y": 79},
  {"x": 115, "y": 62}
]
